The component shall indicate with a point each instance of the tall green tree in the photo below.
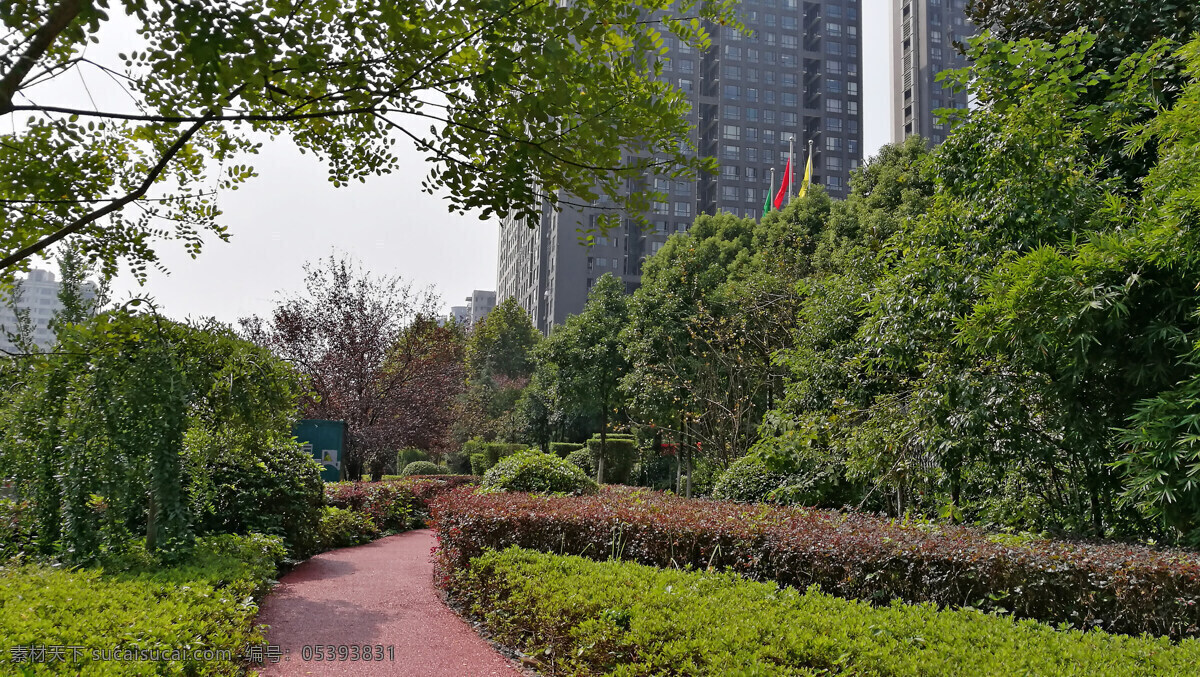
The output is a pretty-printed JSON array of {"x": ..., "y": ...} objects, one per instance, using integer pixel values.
[
  {"x": 499, "y": 363},
  {"x": 515, "y": 102},
  {"x": 587, "y": 358}
]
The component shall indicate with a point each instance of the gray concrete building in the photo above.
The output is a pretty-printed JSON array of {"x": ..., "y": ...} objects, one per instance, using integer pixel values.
[
  {"x": 460, "y": 314},
  {"x": 795, "y": 74},
  {"x": 39, "y": 295},
  {"x": 480, "y": 303},
  {"x": 923, "y": 44}
]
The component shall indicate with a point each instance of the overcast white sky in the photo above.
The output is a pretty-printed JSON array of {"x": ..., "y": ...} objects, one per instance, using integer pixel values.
[{"x": 290, "y": 214}]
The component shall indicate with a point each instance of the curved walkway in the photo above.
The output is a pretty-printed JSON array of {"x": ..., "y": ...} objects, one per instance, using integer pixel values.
[{"x": 377, "y": 594}]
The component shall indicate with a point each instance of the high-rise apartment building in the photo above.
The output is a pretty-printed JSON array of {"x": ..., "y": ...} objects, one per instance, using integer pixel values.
[
  {"x": 795, "y": 75},
  {"x": 39, "y": 296},
  {"x": 480, "y": 304},
  {"x": 923, "y": 43}
]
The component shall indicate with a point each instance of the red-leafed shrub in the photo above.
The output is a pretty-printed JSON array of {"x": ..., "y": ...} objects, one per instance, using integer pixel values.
[
  {"x": 1119, "y": 588},
  {"x": 390, "y": 504}
]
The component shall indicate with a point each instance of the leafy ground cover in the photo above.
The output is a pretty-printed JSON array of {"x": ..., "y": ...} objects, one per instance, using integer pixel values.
[
  {"x": 208, "y": 602},
  {"x": 1114, "y": 587},
  {"x": 582, "y": 617}
]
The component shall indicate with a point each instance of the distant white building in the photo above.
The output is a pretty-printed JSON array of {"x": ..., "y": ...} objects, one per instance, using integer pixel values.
[
  {"x": 39, "y": 295},
  {"x": 461, "y": 315},
  {"x": 481, "y": 303}
]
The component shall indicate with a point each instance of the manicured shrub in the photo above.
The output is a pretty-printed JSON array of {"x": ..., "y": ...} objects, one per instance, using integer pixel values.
[
  {"x": 1118, "y": 588},
  {"x": 498, "y": 450},
  {"x": 578, "y": 616},
  {"x": 561, "y": 449},
  {"x": 479, "y": 464},
  {"x": 340, "y": 528},
  {"x": 619, "y": 457},
  {"x": 206, "y": 602},
  {"x": 423, "y": 468},
  {"x": 748, "y": 480},
  {"x": 458, "y": 463},
  {"x": 536, "y": 471},
  {"x": 582, "y": 459},
  {"x": 410, "y": 455}
]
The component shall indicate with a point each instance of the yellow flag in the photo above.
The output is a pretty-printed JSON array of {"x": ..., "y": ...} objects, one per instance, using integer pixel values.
[{"x": 807, "y": 176}]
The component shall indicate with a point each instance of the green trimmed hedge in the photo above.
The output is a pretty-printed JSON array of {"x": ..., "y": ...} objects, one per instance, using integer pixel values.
[
  {"x": 561, "y": 449},
  {"x": 579, "y": 616},
  {"x": 208, "y": 602},
  {"x": 484, "y": 455},
  {"x": 620, "y": 455}
]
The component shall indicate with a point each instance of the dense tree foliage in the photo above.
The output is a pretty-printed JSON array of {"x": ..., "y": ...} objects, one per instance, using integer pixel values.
[
  {"x": 513, "y": 102},
  {"x": 499, "y": 363},
  {"x": 136, "y": 425}
]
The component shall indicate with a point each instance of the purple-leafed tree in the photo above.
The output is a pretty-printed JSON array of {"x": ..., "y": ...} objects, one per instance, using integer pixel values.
[{"x": 374, "y": 355}]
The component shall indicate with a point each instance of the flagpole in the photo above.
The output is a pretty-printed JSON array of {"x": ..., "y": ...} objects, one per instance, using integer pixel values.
[
  {"x": 771, "y": 190},
  {"x": 791, "y": 152},
  {"x": 806, "y": 174}
]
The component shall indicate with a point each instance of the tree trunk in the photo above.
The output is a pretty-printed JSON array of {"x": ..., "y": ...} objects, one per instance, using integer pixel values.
[
  {"x": 151, "y": 524},
  {"x": 603, "y": 442}
]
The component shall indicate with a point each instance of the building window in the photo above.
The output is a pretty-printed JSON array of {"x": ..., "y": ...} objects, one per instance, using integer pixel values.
[
  {"x": 729, "y": 151},
  {"x": 833, "y": 66},
  {"x": 788, "y": 99},
  {"x": 789, "y": 119},
  {"x": 682, "y": 188},
  {"x": 733, "y": 72},
  {"x": 750, "y": 195},
  {"x": 834, "y": 182},
  {"x": 732, "y": 133},
  {"x": 768, "y": 136},
  {"x": 733, "y": 53},
  {"x": 729, "y": 193},
  {"x": 833, "y": 124},
  {"x": 833, "y": 105},
  {"x": 751, "y": 155},
  {"x": 935, "y": 36},
  {"x": 685, "y": 84},
  {"x": 732, "y": 113},
  {"x": 833, "y": 143},
  {"x": 788, "y": 21},
  {"x": 751, "y": 55},
  {"x": 661, "y": 208},
  {"x": 787, "y": 59},
  {"x": 832, "y": 47},
  {"x": 852, "y": 88},
  {"x": 852, "y": 107},
  {"x": 729, "y": 171},
  {"x": 751, "y": 115},
  {"x": 834, "y": 30},
  {"x": 751, "y": 133},
  {"x": 752, "y": 74},
  {"x": 752, "y": 94},
  {"x": 768, "y": 116},
  {"x": 731, "y": 92},
  {"x": 833, "y": 86},
  {"x": 788, "y": 79},
  {"x": 787, "y": 40},
  {"x": 686, "y": 66},
  {"x": 833, "y": 163},
  {"x": 751, "y": 173}
]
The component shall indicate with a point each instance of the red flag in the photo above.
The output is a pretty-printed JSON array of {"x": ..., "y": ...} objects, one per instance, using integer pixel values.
[{"x": 783, "y": 187}]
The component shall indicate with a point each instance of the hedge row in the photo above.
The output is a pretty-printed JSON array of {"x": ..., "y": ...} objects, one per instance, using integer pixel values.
[
  {"x": 1119, "y": 588},
  {"x": 484, "y": 455},
  {"x": 206, "y": 603},
  {"x": 577, "y": 616}
]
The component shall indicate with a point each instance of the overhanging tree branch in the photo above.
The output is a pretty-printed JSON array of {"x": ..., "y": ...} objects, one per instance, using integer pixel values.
[
  {"x": 83, "y": 221},
  {"x": 60, "y": 17}
]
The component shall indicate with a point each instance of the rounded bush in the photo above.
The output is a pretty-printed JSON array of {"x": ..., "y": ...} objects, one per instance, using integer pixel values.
[
  {"x": 582, "y": 459},
  {"x": 536, "y": 471},
  {"x": 423, "y": 468},
  {"x": 748, "y": 480},
  {"x": 340, "y": 528}
]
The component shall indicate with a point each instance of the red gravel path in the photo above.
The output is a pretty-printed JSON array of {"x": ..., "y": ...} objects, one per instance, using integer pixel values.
[{"x": 380, "y": 593}]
